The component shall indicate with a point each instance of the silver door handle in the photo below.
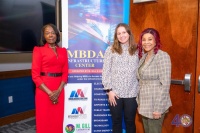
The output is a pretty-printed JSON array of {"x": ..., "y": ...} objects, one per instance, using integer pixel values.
[{"x": 186, "y": 82}]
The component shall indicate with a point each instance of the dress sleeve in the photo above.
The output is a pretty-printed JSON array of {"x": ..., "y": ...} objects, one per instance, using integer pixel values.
[
  {"x": 106, "y": 72},
  {"x": 36, "y": 66},
  {"x": 164, "y": 70},
  {"x": 65, "y": 67}
]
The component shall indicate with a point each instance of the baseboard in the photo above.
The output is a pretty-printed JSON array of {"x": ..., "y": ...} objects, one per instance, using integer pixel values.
[{"x": 16, "y": 117}]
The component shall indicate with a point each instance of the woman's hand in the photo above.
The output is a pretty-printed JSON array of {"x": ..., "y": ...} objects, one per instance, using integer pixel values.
[
  {"x": 54, "y": 96},
  {"x": 156, "y": 115},
  {"x": 111, "y": 98},
  {"x": 49, "y": 93},
  {"x": 56, "y": 93}
]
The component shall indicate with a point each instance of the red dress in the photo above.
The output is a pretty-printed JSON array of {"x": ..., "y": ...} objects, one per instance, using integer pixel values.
[{"x": 49, "y": 116}]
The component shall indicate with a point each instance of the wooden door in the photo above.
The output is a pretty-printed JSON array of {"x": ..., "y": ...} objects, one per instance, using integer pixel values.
[
  {"x": 197, "y": 84},
  {"x": 177, "y": 23}
]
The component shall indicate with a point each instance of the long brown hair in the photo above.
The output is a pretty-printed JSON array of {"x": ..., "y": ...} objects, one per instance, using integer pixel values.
[{"x": 116, "y": 47}]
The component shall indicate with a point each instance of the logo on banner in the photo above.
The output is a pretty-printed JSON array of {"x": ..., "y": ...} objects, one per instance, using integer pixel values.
[
  {"x": 70, "y": 128},
  {"x": 77, "y": 113},
  {"x": 80, "y": 127},
  {"x": 77, "y": 95},
  {"x": 83, "y": 127}
]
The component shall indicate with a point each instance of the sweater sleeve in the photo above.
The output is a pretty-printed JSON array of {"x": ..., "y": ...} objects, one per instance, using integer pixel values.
[
  {"x": 106, "y": 72},
  {"x": 36, "y": 66}
]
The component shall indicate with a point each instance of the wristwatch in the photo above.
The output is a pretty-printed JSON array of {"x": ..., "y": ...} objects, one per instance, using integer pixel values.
[{"x": 108, "y": 90}]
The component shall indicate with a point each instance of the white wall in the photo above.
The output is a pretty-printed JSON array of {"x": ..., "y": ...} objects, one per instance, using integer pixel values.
[{"x": 20, "y": 61}]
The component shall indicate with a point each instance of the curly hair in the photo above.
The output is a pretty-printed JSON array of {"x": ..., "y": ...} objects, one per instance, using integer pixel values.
[{"x": 156, "y": 35}]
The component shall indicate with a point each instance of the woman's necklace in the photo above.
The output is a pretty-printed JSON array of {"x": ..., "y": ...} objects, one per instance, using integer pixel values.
[
  {"x": 52, "y": 46},
  {"x": 54, "y": 50}
]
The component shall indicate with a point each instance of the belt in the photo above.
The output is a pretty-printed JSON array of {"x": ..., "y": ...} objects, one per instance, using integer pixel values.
[{"x": 51, "y": 74}]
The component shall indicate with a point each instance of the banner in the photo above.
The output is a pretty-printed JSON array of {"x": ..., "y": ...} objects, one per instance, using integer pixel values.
[{"x": 87, "y": 30}]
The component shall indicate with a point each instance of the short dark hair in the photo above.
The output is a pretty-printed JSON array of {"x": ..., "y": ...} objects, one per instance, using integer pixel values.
[{"x": 43, "y": 40}]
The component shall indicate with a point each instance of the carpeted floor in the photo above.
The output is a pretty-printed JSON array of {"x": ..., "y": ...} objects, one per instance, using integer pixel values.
[{"x": 24, "y": 126}]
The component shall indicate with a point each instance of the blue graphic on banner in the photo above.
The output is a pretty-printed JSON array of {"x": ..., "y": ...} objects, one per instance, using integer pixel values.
[
  {"x": 91, "y": 25},
  {"x": 77, "y": 111}
]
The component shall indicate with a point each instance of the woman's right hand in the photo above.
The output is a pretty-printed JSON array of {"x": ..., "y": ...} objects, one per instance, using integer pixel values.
[
  {"x": 111, "y": 98},
  {"x": 50, "y": 93},
  {"x": 53, "y": 97}
]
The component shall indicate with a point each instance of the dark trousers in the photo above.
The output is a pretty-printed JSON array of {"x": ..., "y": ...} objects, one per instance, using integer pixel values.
[{"x": 128, "y": 106}]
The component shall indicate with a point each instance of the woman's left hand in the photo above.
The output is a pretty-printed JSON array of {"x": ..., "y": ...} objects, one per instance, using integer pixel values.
[
  {"x": 156, "y": 115},
  {"x": 111, "y": 98},
  {"x": 54, "y": 96}
]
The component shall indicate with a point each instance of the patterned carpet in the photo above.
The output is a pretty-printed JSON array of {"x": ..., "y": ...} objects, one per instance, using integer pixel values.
[{"x": 24, "y": 126}]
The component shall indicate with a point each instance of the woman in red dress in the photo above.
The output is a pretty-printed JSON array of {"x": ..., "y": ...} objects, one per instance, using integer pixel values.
[{"x": 49, "y": 73}]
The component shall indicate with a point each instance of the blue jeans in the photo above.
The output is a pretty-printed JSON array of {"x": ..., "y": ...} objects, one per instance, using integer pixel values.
[{"x": 128, "y": 106}]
